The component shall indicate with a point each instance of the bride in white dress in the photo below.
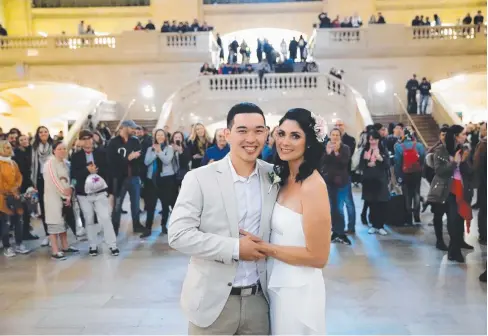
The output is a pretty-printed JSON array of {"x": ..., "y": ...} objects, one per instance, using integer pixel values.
[{"x": 301, "y": 229}]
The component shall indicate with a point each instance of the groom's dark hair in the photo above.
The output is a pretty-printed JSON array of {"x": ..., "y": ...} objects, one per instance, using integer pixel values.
[{"x": 240, "y": 109}]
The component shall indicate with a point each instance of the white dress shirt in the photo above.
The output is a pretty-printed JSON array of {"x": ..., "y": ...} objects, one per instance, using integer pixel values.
[{"x": 248, "y": 200}]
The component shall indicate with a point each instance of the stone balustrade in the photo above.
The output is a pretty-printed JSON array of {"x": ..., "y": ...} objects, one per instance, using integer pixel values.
[
  {"x": 388, "y": 40},
  {"x": 325, "y": 89},
  {"x": 131, "y": 45},
  {"x": 391, "y": 40}
]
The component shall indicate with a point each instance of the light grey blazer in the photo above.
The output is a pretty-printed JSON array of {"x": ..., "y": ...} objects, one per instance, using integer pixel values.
[{"x": 204, "y": 224}]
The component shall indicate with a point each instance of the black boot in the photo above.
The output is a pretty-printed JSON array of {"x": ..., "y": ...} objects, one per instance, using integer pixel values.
[
  {"x": 455, "y": 255},
  {"x": 483, "y": 277},
  {"x": 440, "y": 245},
  {"x": 364, "y": 220},
  {"x": 137, "y": 227},
  {"x": 466, "y": 246}
]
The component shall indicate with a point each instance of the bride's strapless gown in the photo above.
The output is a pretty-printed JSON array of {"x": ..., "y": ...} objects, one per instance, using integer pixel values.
[{"x": 297, "y": 293}]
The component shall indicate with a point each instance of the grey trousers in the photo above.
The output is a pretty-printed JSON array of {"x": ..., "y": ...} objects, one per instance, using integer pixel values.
[
  {"x": 100, "y": 205},
  {"x": 242, "y": 315}
]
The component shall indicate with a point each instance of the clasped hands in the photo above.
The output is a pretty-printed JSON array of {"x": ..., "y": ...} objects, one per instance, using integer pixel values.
[{"x": 252, "y": 248}]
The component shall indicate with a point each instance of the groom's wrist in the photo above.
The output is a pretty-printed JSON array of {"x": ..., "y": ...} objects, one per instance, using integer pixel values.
[{"x": 235, "y": 252}]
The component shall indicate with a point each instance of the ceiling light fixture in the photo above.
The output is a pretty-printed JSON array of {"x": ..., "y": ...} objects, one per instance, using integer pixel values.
[{"x": 147, "y": 91}]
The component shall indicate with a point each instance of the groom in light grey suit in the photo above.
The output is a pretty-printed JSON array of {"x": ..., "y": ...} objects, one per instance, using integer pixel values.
[{"x": 224, "y": 291}]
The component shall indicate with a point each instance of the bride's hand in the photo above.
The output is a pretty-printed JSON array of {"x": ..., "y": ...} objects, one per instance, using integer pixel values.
[{"x": 264, "y": 247}]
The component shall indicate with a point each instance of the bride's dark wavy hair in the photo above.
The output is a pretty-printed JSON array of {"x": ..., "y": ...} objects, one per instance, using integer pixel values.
[{"x": 314, "y": 149}]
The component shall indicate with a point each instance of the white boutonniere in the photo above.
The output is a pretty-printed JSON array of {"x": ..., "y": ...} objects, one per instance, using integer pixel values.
[{"x": 274, "y": 178}]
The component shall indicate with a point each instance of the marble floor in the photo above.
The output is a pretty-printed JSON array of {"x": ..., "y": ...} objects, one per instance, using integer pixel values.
[{"x": 398, "y": 284}]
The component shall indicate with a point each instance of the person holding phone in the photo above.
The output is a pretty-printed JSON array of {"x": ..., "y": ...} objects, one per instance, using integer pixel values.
[
  {"x": 124, "y": 164},
  {"x": 182, "y": 159},
  {"x": 452, "y": 188},
  {"x": 336, "y": 175}
]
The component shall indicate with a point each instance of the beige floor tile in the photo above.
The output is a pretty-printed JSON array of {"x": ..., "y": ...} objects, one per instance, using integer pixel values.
[{"x": 398, "y": 284}]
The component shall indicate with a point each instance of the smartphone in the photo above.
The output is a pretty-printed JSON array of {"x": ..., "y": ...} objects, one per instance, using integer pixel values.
[
  {"x": 89, "y": 163},
  {"x": 178, "y": 143}
]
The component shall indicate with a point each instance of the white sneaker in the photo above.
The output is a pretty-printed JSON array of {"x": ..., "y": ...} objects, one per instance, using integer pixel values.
[
  {"x": 22, "y": 249},
  {"x": 45, "y": 242},
  {"x": 9, "y": 252},
  {"x": 382, "y": 232},
  {"x": 372, "y": 230}
]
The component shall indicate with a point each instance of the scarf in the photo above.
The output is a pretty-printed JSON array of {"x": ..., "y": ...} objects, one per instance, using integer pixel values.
[
  {"x": 6, "y": 159},
  {"x": 39, "y": 156},
  {"x": 463, "y": 208}
]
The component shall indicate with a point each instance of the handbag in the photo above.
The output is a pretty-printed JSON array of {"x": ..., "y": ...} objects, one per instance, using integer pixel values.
[{"x": 13, "y": 203}]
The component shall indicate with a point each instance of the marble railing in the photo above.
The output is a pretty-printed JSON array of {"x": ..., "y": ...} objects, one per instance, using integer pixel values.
[
  {"x": 388, "y": 40},
  {"x": 392, "y": 40},
  {"x": 274, "y": 86},
  {"x": 140, "y": 45}
]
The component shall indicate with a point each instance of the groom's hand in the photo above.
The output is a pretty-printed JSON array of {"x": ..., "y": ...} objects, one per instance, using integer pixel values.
[{"x": 249, "y": 250}]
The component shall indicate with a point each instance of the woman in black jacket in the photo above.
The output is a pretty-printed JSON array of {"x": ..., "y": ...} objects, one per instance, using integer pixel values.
[
  {"x": 182, "y": 158},
  {"x": 23, "y": 158},
  {"x": 375, "y": 164},
  {"x": 198, "y": 143}
]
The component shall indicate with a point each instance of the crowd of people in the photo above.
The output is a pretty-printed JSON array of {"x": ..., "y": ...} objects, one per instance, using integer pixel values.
[
  {"x": 354, "y": 21},
  {"x": 388, "y": 161},
  {"x": 288, "y": 52},
  {"x": 175, "y": 26},
  {"x": 423, "y": 88}
]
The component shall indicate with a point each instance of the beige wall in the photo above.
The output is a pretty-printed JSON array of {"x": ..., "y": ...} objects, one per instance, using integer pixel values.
[
  {"x": 363, "y": 74},
  {"x": 18, "y": 19},
  {"x": 402, "y": 11},
  {"x": 21, "y": 20},
  {"x": 293, "y": 16},
  {"x": 2, "y": 12},
  {"x": 123, "y": 82},
  {"x": 110, "y": 20}
]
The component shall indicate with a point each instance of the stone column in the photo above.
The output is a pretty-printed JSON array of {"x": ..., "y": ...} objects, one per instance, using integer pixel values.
[{"x": 17, "y": 17}]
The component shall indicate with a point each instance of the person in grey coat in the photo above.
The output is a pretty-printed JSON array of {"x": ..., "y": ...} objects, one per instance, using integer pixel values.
[
  {"x": 452, "y": 187},
  {"x": 375, "y": 164}
]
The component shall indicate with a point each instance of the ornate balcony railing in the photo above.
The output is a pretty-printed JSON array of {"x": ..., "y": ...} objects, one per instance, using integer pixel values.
[
  {"x": 397, "y": 40},
  {"x": 143, "y": 45},
  {"x": 295, "y": 86},
  {"x": 374, "y": 41}
]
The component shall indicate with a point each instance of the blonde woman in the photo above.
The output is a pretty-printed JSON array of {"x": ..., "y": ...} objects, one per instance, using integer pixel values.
[
  {"x": 57, "y": 195},
  {"x": 10, "y": 205},
  {"x": 198, "y": 142}
]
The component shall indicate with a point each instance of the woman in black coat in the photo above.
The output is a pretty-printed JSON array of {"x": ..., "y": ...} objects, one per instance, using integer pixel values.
[
  {"x": 375, "y": 164},
  {"x": 23, "y": 158}
]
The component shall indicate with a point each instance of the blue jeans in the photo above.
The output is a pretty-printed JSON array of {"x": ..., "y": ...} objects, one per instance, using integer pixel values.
[
  {"x": 345, "y": 198},
  {"x": 336, "y": 197},
  {"x": 5, "y": 229},
  {"x": 131, "y": 185},
  {"x": 424, "y": 102}
]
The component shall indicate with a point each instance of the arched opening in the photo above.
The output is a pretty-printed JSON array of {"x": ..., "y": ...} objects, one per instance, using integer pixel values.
[
  {"x": 26, "y": 105},
  {"x": 465, "y": 95},
  {"x": 275, "y": 36}
]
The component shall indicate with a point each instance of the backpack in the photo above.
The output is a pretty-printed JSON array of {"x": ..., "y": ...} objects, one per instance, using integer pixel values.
[{"x": 411, "y": 160}]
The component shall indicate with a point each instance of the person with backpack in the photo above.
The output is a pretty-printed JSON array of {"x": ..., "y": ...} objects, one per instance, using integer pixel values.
[{"x": 409, "y": 160}]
